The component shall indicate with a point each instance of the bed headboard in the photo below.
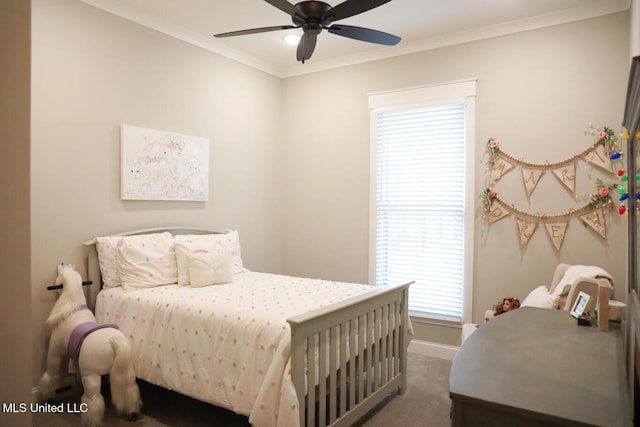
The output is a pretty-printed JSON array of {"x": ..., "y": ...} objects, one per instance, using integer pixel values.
[{"x": 93, "y": 265}]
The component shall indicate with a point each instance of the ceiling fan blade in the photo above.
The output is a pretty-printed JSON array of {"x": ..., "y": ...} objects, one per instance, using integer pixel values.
[
  {"x": 306, "y": 46},
  {"x": 364, "y": 34},
  {"x": 255, "y": 31},
  {"x": 350, "y": 8},
  {"x": 284, "y": 6}
]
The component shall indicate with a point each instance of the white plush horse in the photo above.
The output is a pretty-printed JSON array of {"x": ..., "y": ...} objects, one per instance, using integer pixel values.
[{"x": 97, "y": 350}]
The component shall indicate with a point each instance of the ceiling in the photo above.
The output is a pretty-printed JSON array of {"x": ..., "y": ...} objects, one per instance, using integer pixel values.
[{"x": 422, "y": 25}]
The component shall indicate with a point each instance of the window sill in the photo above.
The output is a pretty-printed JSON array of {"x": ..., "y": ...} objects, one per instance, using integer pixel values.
[{"x": 437, "y": 322}]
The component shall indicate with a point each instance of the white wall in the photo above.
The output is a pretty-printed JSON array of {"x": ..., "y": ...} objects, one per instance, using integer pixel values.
[
  {"x": 15, "y": 316},
  {"x": 93, "y": 71},
  {"x": 538, "y": 91},
  {"x": 290, "y": 159}
]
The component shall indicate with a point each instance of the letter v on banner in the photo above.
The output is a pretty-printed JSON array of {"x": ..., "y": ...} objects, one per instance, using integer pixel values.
[{"x": 530, "y": 178}]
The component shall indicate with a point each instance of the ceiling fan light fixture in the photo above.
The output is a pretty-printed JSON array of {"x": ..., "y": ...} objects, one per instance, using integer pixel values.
[
  {"x": 313, "y": 16},
  {"x": 291, "y": 39}
]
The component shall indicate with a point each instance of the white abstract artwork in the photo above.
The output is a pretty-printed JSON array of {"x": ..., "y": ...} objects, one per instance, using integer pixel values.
[{"x": 161, "y": 165}]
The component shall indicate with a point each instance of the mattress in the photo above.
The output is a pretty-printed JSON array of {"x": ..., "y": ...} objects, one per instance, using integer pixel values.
[{"x": 227, "y": 344}]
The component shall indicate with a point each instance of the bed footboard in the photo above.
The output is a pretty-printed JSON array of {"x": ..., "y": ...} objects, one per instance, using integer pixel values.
[{"x": 358, "y": 351}]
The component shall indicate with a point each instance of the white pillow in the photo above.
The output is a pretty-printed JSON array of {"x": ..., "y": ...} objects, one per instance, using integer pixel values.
[
  {"x": 209, "y": 269},
  {"x": 144, "y": 263},
  {"x": 542, "y": 298},
  {"x": 230, "y": 242},
  {"x": 107, "y": 248},
  {"x": 186, "y": 244}
]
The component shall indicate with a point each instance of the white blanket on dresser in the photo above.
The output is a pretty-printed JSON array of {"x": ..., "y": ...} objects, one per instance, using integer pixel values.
[
  {"x": 226, "y": 344},
  {"x": 575, "y": 272}
]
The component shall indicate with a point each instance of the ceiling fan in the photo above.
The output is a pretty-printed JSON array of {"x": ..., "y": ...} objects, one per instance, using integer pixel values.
[{"x": 314, "y": 16}]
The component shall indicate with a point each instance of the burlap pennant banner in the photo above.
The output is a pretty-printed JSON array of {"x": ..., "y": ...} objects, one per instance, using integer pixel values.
[
  {"x": 497, "y": 212},
  {"x": 595, "y": 220},
  {"x": 599, "y": 156},
  {"x": 555, "y": 225},
  {"x": 500, "y": 167},
  {"x": 556, "y": 232},
  {"x": 525, "y": 231},
  {"x": 530, "y": 178},
  {"x": 567, "y": 175}
]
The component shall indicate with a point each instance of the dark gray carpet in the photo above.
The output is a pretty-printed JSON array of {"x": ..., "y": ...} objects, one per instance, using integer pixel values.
[{"x": 425, "y": 404}]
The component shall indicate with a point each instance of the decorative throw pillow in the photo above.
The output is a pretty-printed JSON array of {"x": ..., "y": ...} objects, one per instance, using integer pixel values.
[
  {"x": 186, "y": 244},
  {"x": 542, "y": 298},
  {"x": 207, "y": 269},
  {"x": 144, "y": 263}
]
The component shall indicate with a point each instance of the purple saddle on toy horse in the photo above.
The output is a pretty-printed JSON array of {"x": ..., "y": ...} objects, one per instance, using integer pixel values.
[{"x": 80, "y": 332}]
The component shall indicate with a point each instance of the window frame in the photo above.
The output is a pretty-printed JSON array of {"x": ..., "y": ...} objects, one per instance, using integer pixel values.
[{"x": 463, "y": 91}]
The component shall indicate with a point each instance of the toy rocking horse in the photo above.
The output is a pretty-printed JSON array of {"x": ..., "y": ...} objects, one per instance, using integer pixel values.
[{"x": 96, "y": 349}]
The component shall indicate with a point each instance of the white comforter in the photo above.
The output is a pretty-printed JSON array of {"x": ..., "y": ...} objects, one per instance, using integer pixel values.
[{"x": 226, "y": 344}]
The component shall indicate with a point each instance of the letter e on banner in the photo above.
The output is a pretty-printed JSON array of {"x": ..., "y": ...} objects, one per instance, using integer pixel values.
[{"x": 556, "y": 232}]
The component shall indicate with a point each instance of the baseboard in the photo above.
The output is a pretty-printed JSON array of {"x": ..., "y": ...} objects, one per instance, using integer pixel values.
[
  {"x": 428, "y": 348},
  {"x": 70, "y": 384},
  {"x": 433, "y": 349}
]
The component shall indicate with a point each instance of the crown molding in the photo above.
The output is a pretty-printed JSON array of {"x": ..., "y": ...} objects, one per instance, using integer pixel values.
[{"x": 604, "y": 7}]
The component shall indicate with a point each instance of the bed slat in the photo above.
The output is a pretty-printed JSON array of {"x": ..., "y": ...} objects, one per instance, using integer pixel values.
[
  {"x": 343, "y": 369},
  {"x": 334, "y": 349}
]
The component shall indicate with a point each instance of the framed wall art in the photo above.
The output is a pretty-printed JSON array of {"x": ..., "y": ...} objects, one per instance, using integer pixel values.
[{"x": 161, "y": 165}]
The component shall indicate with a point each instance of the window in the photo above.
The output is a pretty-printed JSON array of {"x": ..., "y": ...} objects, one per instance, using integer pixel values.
[{"x": 422, "y": 196}]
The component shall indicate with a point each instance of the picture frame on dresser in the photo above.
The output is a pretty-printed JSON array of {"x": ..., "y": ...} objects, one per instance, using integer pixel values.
[{"x": 581, "y": 305}]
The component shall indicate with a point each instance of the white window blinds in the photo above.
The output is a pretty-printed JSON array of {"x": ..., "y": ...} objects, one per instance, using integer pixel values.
[{"x": 421, "y": 206}]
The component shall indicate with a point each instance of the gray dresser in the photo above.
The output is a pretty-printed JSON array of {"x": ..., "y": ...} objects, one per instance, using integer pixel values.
[{"x": 537, "y": 367}]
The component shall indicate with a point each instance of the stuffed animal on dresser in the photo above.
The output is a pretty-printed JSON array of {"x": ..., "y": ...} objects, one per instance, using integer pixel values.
[{"x": 93, "y": 349}]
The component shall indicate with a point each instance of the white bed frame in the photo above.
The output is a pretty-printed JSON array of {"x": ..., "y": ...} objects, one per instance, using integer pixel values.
[{"x": 359, "y": 374}]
